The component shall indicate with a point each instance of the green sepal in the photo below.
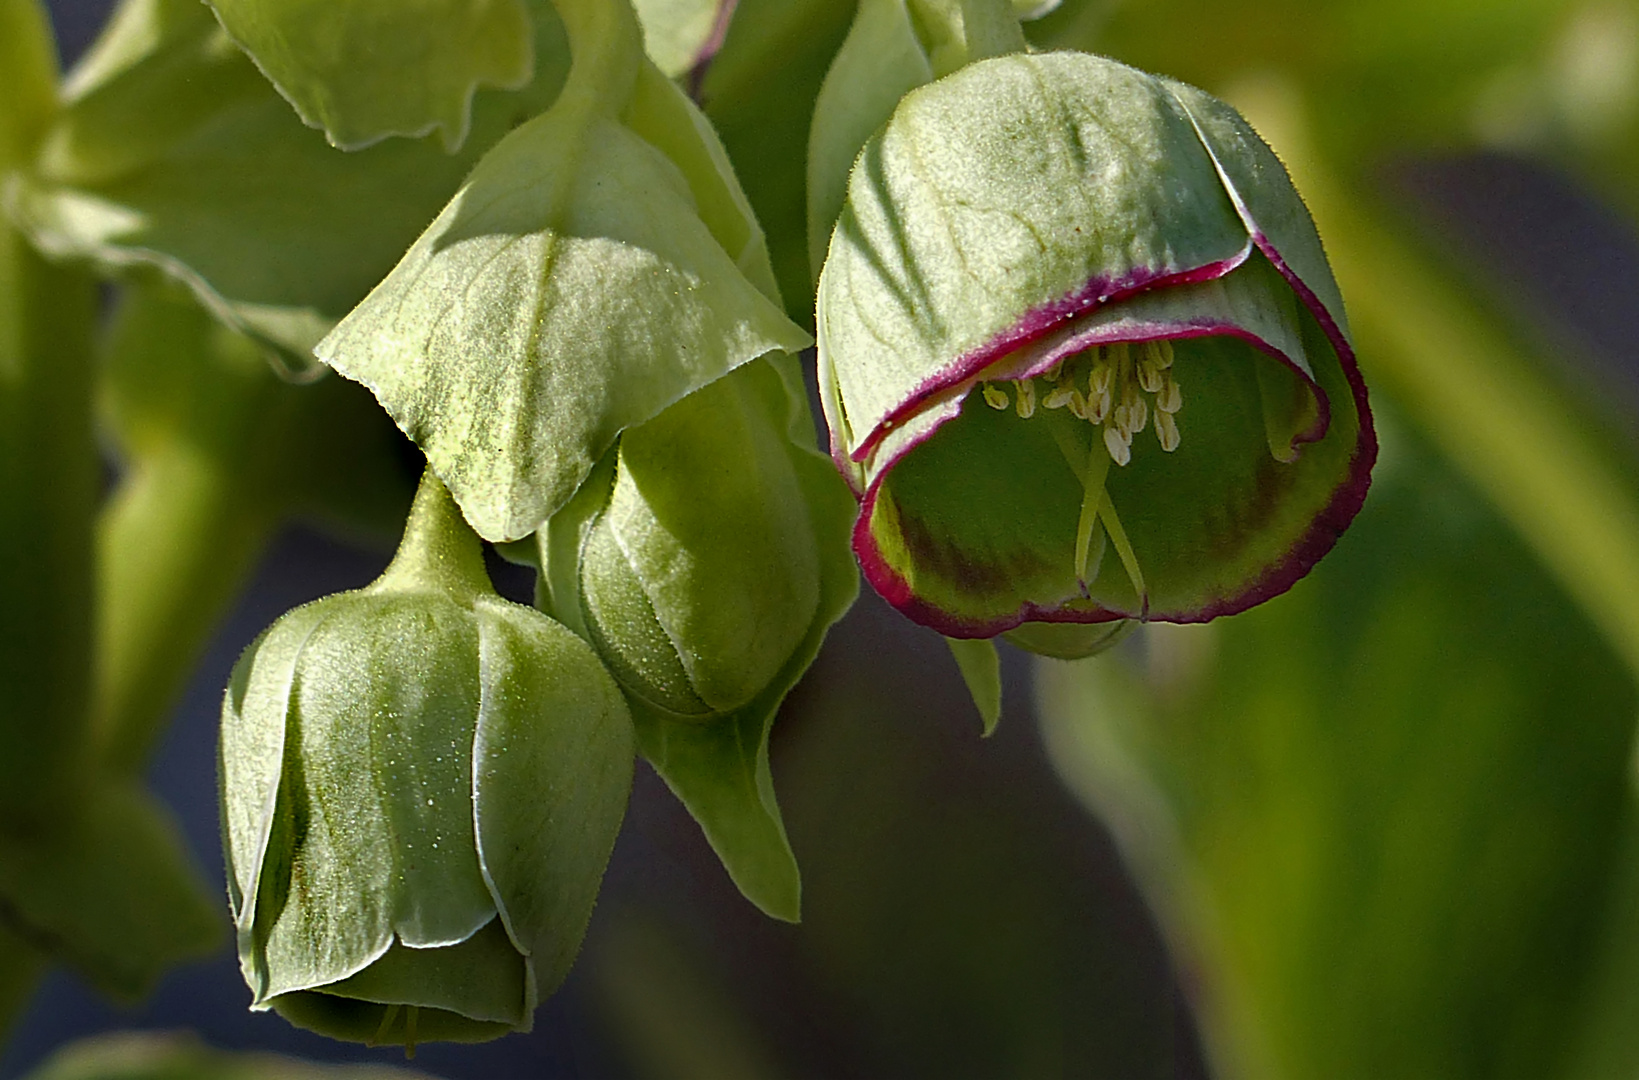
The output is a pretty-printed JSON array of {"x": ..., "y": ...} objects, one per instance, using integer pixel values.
[
  {"x": 367, "y": 69},
  {"x": 680, "y": 35},
  {"x": 616, "y": 276},
  {"x": 173, "y": 151},
  {"x": 893, "y": 47},
  {"x": 561, "y": 729},
  {"x": 981, "y": 670}
]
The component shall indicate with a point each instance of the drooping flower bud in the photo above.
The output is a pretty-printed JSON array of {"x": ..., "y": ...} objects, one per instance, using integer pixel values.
[
  {"x": 1083, "y": 357},
  {"x": 421, "y": 785},
  {"x": 705, "y": 559},
  {"x": 702, "y": 572}
]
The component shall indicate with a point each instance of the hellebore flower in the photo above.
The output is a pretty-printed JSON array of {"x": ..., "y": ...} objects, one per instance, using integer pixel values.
[
  {"x": 421, "y": 785},
  {"x": 705, "y": 559},
  {"x": 1083, "y": 358}
]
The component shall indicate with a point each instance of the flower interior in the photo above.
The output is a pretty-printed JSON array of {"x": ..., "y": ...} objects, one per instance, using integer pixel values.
[{"x": 1006, "y": 513}]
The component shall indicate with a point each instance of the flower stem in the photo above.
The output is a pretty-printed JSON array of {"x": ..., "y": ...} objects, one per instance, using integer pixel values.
[
  {"x": 175, "y": 543},
  {"x": 991, "y": 29}
]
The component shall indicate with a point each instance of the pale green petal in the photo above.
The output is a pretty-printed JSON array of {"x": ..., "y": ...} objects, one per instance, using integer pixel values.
[
  {"x": 570, "y": 290},
  {"x": 880, "y": 62},
  {"x": 255, "y": 712},
  {"x": 678, "y": 33},
  {"x": 946, "y": 244},
  {"x": 373, "y": 836},
  {"x": 552, "y": 767},
  {"x": 1263, "y": 194},
  {"x": 366, "y": 69},
  {"x": 173, "y": 151}
]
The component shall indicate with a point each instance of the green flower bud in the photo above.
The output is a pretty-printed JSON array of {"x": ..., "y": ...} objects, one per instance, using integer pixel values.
[
  {"x": 700, "y": 576},
  {"x": 1083, "y": 358},
  {"x": 705, "y": 558},
  {"x": 421, "y": 785}
]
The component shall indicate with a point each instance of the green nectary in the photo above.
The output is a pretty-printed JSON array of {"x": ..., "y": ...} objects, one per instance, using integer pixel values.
[
  {"x": 1082, "y": 356},
  {"x": 421, "y": 785}
]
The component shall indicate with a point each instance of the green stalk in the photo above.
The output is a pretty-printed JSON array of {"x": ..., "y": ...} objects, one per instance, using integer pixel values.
[
  {"x": 48, "y": 491},
  {"x": 48, "y": 464},
  {"x": 175, "y": 544},
  {"x": 991, "y": 29}
]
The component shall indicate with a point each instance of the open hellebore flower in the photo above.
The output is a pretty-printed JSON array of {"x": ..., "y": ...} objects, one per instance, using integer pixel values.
[
  {"x": 1083, "y": 357},
  {"x": 421, "y": 785}
]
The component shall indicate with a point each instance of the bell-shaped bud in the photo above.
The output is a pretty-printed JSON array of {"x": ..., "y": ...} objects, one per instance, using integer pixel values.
[
  {"x": 705, "y": 558},
  {"x": 702, "y": 573},
  {"x": 421, "y": 785},
  {"x": 1083, "y": 357}
]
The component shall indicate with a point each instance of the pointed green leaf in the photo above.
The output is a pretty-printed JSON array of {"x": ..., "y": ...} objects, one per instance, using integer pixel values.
[
  {"x": 981, "y": 670},
  {"x": 720, "y": 769},
  {"x": 366, "y": 69}
]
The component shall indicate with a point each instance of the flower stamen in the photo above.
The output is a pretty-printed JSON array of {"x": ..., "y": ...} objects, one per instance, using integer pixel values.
[
  {"x": 1121, "y": 379},
  {"x": 1026, "y": 400}
]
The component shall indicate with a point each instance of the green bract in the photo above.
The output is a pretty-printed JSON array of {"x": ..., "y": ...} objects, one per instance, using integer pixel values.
[
  {"x": 1070, "y": 307},
  {"x": 600, "y": 263},
  {"x": 705, "y": 559},
  {"x": 421, "y": 785},
  {"x": 366, "y": 69}
]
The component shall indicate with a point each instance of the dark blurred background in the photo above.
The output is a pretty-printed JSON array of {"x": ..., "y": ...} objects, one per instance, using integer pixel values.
[{"x": 965, "y": 913}]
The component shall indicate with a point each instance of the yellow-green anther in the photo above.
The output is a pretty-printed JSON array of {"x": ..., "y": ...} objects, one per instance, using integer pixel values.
[
  {"x": 1170, "y": 399},
  {"x": 1166, "y": 430},
  {"x": 1026, "y": 401},
  {"x": 1149, "y": 371},
  {"x": 1061, "y": 395},
  {"x": 1119, "y": 444},
  {"x": 995, "y": 396}
]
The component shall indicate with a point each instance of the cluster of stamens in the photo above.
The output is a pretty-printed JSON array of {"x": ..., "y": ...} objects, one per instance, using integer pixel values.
[{"x": 1117, "y": 378}]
